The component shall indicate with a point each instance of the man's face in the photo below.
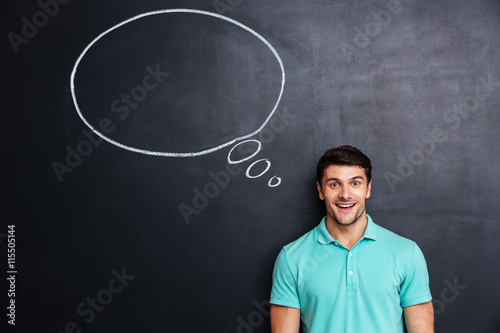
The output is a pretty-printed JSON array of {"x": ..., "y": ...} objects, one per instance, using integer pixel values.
[{"x": 344, "y": 189}]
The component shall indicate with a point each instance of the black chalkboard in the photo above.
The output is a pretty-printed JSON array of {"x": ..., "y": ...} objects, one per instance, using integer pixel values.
[{"x": 158, "y": 154}]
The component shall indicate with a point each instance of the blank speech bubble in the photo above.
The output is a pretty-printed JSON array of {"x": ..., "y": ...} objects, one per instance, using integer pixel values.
[{"x": 224, "y": 82}]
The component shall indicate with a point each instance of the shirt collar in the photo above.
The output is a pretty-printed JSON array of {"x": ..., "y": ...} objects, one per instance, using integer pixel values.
[
  {"x": 371, "y": 229},
  {"x": 325, "y": 237}
]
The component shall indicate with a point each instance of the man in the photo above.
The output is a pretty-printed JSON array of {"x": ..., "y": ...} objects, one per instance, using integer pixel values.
[{"x": 349, "y": 275}]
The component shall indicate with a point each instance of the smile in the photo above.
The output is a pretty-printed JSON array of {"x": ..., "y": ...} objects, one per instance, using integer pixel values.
[{"x": 345, "y": 206}]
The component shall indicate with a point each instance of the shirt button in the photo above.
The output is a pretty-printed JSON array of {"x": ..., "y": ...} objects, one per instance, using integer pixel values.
[
  {"x": 336, "y": 244},
  {"x": 351, "y": 272},
  {"x": 350, "y": 254}
]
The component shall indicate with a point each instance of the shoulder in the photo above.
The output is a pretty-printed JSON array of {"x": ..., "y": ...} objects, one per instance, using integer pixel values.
[
  {"x": 389, "y": 236},
  {"x": 301, "y": 246},
  {"x": 403, "y": 253},
  {"x": 397, "y": 244},
  {"x": 302, "y": 242}
]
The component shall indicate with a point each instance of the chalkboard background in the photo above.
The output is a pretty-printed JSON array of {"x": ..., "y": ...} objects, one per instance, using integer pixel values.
[{"x": 113, "y": 240}]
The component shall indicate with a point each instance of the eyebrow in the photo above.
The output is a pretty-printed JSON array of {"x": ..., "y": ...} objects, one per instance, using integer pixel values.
[{"x": 353, "y": 178}]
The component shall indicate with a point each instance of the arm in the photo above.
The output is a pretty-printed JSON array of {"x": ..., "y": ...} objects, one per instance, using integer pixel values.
[
  {"x": 284, "y": 319},
  {"x": 419, "y": 318}
]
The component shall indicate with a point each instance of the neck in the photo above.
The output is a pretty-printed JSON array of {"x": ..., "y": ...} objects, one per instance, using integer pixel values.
[{"x": 347, "y": 235}]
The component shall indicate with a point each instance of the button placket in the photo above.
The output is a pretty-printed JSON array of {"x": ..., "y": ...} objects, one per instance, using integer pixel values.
[{"x": 352, "y": 285}]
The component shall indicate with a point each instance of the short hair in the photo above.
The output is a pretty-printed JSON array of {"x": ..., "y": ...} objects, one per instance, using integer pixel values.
[{"x": 343, "y": 155}]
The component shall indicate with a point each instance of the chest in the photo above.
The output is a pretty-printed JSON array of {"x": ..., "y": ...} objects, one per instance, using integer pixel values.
[{"x": 333, "y": 274}]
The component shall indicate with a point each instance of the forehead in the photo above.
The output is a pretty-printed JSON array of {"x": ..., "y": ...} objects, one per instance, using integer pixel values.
[{"x": 343, "y": 172}]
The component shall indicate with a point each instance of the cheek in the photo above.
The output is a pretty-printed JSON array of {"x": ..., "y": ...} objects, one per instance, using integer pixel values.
[
  {"x": 361, "y": 195},
  {"x": 327, "y": 194}
]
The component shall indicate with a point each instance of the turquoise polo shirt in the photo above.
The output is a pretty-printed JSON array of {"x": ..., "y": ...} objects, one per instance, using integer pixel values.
[{"x": 362, "y": 290}]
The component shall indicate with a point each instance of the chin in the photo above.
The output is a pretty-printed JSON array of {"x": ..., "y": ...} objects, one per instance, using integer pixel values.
[
  {"x": 345, "y": 223},
  {"x": 347, "y": 220}
]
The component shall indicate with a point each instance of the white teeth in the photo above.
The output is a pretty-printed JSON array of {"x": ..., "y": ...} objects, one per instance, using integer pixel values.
[{"x": 345, "y": 206}]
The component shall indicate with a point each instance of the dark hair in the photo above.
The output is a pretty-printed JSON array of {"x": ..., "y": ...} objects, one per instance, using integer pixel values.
[{"x": 343, "y": 155}]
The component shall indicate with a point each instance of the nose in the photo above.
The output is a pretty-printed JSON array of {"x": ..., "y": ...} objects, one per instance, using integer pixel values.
[{"x": 345, "y": 193}]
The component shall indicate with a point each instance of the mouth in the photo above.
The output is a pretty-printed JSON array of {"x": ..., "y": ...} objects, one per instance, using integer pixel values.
[{"x": 345, "y": 207}]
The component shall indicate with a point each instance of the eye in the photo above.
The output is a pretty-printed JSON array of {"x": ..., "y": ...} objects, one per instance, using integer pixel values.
[
  {"x": 334, "y": 185},
  {"x": 355, "y": 183}
]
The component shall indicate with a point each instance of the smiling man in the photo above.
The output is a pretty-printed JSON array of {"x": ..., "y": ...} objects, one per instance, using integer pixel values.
[{"x": 349, "y": 275}]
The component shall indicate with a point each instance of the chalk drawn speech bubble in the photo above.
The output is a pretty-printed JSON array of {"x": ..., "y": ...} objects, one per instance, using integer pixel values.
[{"x": 166, "y": 153}]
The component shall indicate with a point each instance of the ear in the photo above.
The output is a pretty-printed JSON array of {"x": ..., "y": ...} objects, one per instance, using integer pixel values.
[
  {"x": 320, "y": 191},
  {"x": 368, "y": 190}
]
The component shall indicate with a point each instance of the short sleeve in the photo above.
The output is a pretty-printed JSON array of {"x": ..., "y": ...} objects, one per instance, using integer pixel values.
[
  {"x": 415, "y": 286},
  {"x": 284, "y": 290}
]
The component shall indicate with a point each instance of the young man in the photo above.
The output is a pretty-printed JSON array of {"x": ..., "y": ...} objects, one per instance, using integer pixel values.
[{"x": 349, "y": 275}]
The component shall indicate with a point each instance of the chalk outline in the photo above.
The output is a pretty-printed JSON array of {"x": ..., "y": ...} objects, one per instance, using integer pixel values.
[
  {"x": 274, "y": 185},
  {"x": 268, "y": 166},
  {"x": 259, "y": 147},
  {"x": 165, "y": 11}
]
